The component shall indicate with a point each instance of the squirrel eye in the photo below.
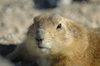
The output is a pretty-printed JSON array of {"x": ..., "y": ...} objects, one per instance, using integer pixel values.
[
  {"x": 32, "y": 24},
  {"x": 59, "y": 26}
]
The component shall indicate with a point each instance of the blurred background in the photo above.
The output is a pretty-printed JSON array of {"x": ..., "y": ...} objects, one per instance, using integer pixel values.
[{"x": 17, "y": 15}]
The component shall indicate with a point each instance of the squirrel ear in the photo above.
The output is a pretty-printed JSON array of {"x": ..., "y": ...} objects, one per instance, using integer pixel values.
[
  {"x": 70, "y": 23},
  {"x": 34, "y": 19}
]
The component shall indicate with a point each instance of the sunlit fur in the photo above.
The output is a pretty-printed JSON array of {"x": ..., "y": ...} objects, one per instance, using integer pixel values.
[{"x": 70, "y": 45}]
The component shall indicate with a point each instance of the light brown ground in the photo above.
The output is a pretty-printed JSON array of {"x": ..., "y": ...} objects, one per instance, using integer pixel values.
[{"x": 16, "y": 16}]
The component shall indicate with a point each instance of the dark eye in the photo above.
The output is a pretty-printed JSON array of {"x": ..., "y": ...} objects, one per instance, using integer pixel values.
[
  {"x": 32, "y": 24},
  {"x": 59, "y": 26}
]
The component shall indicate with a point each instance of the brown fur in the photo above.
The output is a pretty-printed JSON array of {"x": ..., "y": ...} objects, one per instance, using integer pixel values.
[{"x": 70, "y": 45}]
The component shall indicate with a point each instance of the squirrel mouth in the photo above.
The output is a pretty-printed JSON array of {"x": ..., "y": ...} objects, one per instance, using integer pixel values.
[{"x": 40, "y": 47}]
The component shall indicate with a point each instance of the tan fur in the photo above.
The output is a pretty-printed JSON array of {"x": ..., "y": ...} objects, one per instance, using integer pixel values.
[{"x": 70, "y": 45}]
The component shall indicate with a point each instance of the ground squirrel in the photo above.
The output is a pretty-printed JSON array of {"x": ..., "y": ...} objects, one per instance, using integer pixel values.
[{"x": 57, "y": 41}]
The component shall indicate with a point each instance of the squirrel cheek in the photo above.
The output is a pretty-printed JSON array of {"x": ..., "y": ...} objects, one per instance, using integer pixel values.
[{"x": 48, "y": 45}]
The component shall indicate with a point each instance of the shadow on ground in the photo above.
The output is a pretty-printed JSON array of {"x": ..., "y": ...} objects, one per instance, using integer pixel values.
[{"x": 6, "y": 49}]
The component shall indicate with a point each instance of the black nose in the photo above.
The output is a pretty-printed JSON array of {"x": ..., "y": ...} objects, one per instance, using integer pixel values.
[
  {"x": 39, "y": 40},
  {"x": 39, "y": 35}
]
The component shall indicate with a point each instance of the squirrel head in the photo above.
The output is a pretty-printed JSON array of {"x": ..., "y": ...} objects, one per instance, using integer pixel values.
[{"x": 53, "y": 34}]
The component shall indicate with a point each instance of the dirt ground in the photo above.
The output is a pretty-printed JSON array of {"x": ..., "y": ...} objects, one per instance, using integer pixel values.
[{"x": 17, "y": 15}]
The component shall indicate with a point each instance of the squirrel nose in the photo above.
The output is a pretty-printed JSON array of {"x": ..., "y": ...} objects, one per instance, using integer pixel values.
[
  {"x": 39, "y": 40},
  {"x": 39, "y": 35}
]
